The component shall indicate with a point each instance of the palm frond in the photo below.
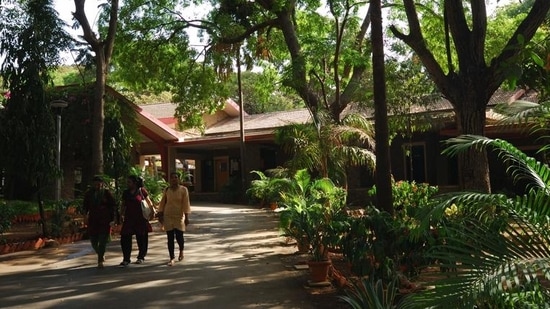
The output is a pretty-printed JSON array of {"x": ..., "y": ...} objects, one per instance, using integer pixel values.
[
  {"x": 522, "y": 111},
  {"x": 373, "y": 295},
  {"x": 520, "y": 166},
  {"x": 488, "y": 264}
]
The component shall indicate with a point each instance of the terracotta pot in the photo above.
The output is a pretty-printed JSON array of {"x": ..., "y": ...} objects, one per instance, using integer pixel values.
[
  {"x": 318, "y": 270},
  {"x": 39, "y": 243}
]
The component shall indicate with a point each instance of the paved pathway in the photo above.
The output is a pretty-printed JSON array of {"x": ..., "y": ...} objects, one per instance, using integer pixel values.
[{"x": 232, "y": 260}]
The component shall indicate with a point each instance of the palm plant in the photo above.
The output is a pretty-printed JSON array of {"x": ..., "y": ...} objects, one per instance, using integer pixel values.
[
  {"x": 499, "y": 246},
  {"x": 312, "y": 209},
  {"x": 327, "y": 148},
  {"x": 264, "y": 189},
  {"x": 367, "y": 293}
]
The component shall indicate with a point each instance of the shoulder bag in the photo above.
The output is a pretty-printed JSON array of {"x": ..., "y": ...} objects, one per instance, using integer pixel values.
[{"x": 145, "y": 208}]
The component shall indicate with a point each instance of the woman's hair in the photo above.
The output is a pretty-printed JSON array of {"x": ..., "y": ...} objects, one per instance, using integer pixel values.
[
  {"x": 137, "y": 180},
  {"x": 174, "y": 173}
]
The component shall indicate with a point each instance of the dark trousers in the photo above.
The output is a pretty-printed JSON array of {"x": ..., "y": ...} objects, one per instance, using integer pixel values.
[
  {"x": 126, "y": 245},
  {"x": 99, "y": 243},
  {"x": 179, "y": 238}
]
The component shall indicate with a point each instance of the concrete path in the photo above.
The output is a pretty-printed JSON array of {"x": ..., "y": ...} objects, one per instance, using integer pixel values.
[{"x": 233, "y": 259}]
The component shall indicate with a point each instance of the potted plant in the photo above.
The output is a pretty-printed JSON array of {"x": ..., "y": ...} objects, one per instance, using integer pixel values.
[
  {"x": 264, "y": 190},
  {"x": 312, "y": 211}
]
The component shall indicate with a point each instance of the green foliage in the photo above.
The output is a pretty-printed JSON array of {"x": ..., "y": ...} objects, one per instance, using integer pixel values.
[
  {"x": 409, "y": 88},
  {"x": 368, "y": 293},
  {"x": 7, "y": 214},
  {"x": 19, "y": 207},
  {"x": 366, "y": 241},
  {"x": 265, "y": 189},
  {"x": 263, "y": 92},
  {"x": 374, "y": 236},
  {"x": 61, "y": 223},
  {"x": 154, "y": 184},
  {"x": 154, "y": 56},
  {"x": 498, "y": 245},
  {"x": 71, "y": 75},
  {"x": 409, "y": 198},
  {"x": 326, "y": 148},
  {"x": 120, "y": 129},
  {"x": 312, "y": 208},
  {"x": 31, "y": 37}
]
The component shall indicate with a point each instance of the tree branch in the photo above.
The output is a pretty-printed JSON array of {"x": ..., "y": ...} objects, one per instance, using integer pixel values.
[
  {"x": 80, "y": 15},
  {"x": 526, "y": 30},
  {"x": 248, "y": 32},
  {"x": 416, "y": 41}
]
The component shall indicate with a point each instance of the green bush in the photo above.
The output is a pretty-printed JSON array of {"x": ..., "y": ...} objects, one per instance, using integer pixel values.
[
  {"x": 6, "y": 217},
  {"x": 22, "y": 207}
]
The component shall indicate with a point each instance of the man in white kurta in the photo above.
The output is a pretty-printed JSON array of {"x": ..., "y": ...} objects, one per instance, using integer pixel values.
[{"x": 174, "y": 209}]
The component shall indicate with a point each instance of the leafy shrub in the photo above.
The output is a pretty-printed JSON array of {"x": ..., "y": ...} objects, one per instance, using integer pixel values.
[
  {"x": 411, "y": 239},
  {"x": 6, "y": 217}
]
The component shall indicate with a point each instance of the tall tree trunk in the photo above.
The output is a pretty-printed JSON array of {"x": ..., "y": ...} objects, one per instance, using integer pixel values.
[
  {"x": 384, "y": 198},
  {"x": 473, "y": 165},
  {"x": 469, "y": 83},
  {"x": 103, "y": 51},
  {"x": 98, "y": 117}
]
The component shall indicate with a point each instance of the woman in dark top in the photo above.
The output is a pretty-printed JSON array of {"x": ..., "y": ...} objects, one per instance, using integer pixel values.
[
  {"x": 133, "y": 221},
  {"x": 99, "y": 206}
]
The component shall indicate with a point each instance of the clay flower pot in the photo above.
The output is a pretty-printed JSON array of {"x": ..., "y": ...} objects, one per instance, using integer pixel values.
[{"x": 318, "y": 270}]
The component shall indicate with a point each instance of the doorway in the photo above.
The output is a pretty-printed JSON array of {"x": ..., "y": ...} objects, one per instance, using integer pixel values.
[{"x": 221, "y": 172}]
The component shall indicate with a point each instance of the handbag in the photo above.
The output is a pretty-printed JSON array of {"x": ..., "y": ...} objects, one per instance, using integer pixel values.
[{"x": 145, "y": 208}]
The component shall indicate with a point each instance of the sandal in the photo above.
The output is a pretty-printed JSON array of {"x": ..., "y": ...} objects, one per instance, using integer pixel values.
[
  {"x": 181, "y": 256},
  {"x": 171, "y": 263}
]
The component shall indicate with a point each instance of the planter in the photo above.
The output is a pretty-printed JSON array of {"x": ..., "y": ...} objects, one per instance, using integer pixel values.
[
  {"x": 318, "y": 270},
  {"x": 273, "y": 205}
]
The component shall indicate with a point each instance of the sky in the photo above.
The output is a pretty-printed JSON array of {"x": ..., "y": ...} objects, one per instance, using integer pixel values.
[{"x": 66, "y": 7}]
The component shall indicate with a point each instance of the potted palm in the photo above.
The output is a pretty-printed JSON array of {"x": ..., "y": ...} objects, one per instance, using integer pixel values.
[
  {"x": 312, "y": 211},
  {"x": 264, "y": 190}
]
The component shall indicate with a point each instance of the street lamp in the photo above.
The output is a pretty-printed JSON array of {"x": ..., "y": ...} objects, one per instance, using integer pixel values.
[{"x": 58, "y": 106}]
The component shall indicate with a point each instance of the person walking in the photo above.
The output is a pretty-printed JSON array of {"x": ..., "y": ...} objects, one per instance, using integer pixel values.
[
  {"x": 133, "y": 221},
  {"x": 174, "y": 209},
  {"x": 100, "y": 209}
]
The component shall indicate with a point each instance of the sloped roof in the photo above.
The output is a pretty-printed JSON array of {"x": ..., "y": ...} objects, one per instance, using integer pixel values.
[
  {"x": 168, "y": 110},
  {"x": 261, "y": 121},
  {"x": 149, "y": 122},
  {"x": 265, "y": 124}
]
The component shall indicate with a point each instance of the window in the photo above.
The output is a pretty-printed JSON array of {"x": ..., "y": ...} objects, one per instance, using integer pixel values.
[{"x": 415, "y": 162}]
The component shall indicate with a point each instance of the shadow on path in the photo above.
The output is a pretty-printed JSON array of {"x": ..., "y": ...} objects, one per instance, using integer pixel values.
[{"x": 233, "y": 259}]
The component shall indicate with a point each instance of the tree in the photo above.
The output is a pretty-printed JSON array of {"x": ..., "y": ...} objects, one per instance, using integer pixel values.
[
  {"x": 327, "y": 55},
  {"x": 263, "y": 92},
  {"x": 383, "y": 174},
  {"x": 103, "y": 49},
  {"x": 465, "y": 78},
  {"x": 154, "y": 56},
  {"x": 498, "y": 245},
  {"x": 327, "y": 150},
  {"x": 31, "y": 35}
]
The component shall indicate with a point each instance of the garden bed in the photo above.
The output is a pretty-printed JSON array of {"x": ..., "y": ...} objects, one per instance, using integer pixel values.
[{"x": 27, "y": 235}]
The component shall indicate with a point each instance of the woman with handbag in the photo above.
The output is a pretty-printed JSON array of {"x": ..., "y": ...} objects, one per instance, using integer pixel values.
[
  {"x": 174, "y": 209},
  {"x": 134, "y": 223}
]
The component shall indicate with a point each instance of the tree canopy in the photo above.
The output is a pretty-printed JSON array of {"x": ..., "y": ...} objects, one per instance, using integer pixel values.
[
  {"x": 468, "y": 74},
  {"x": 31, "y": 36}
]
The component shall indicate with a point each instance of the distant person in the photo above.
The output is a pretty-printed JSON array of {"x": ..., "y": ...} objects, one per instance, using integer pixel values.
[
  {"x": 174, "y": 209},
  {"x": 100, "y": 210},
  {"x": 133, "y": 221}
]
